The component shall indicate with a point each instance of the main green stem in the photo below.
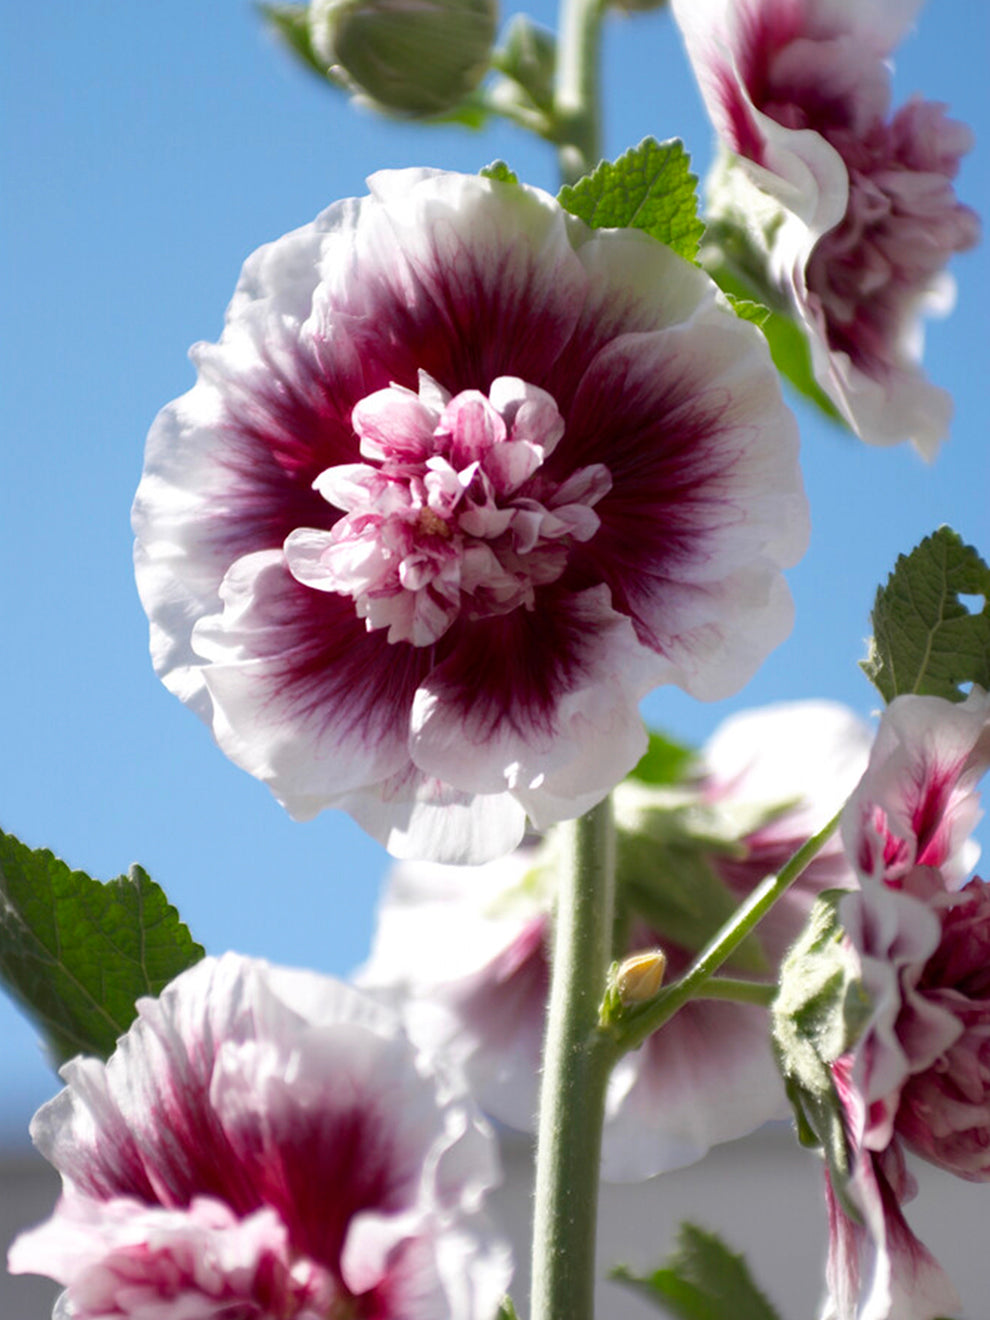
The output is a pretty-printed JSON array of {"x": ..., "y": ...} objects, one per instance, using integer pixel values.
[
  {"x": 577, "y": 97},
  {"x": 576, "y": 1063}
]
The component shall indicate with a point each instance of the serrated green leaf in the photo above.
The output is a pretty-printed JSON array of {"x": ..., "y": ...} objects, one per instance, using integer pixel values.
[
  {"x": 748, "y": 310},
  {"x": 291, "y": 24},
  {"x": 925, "y": 640},
  {"x": 499, "y": 171},
  {"x": 702, "y": 1280},
  {"x": 650, "y": 187},
  {"x": 664, "y": 761},
  {"x": 77, "y": 953}
]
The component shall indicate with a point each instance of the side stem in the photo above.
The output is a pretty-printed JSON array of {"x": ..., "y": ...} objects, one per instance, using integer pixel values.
[
  {"x": 636, "y": 1026},
  {"x": 576, "y": 1063}
]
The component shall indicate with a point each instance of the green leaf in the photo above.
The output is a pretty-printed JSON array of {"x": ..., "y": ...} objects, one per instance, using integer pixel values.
[
  {"x": 820, "y": 1010},
  {"x": 664, "y": 761},
  {"x": 925, "y": 640},
  {"x": 702, "y": 1280},
  {"x": 650, "y": 187},
  {"x": 291, "y": 24},
  {"x": 747, "y": 310},
  {"x": 499, "y": 171},
  {"x": 77, "y": 954},
  {"x": 785, "y": 339},
  {"x": 507, "y": 1311}
]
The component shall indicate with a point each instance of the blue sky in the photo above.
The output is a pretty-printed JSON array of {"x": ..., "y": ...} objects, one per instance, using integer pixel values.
[{"x": 147, "y": 149}]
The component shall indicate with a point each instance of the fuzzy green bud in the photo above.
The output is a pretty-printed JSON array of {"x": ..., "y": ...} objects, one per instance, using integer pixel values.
[{"x": 409, "y": 57}]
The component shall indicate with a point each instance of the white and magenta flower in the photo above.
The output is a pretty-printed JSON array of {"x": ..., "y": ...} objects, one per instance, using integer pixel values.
[
  {"x": 864, "y": 215},
  {"x": 460, "y": 482},
  {"x": 469, "y": 950},
  {"x": 266, "y": 1144},
  {"x": 919, "y": 1075}
]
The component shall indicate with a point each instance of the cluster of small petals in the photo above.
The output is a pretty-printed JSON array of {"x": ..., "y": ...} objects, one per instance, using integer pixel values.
[
  {"x": 919, "y": 1075},
  {"x": 461, "y": 482},
  {"x": 468, "y": 952},
  {"x": 265, "y": 1144},
  {"x": 800, "y": 92},
  {"x": 449, "y": 525}
]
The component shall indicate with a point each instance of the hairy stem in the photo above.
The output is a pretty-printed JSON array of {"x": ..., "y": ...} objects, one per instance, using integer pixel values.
[
  {"x": 576, "y": 1063},
  {"x": 577, "y": 98}
]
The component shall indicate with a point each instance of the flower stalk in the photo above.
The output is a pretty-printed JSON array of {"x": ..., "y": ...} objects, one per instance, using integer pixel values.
[
  {"x": 639, "y": 1023},
  {"x": 576, "y": 1065},
  {"x": 577, "y": 100}
]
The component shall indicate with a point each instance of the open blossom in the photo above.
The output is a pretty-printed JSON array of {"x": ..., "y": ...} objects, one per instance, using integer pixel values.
[
  {"x": 265, "y": 1144},
  {"x": 471, "y": 948},
  {"x": 919, "y": 1075},
  {"x": 851, "y": 204},
  {"x": 460, "y": 482}
]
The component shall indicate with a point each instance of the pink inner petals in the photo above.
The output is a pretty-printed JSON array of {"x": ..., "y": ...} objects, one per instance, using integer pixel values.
[{"x": 453, "y": 517}]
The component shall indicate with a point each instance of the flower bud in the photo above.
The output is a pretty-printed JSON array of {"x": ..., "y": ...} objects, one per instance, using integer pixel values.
[
  {"x": 638, "y": 978},
  {"x": 408, "y": 57}
]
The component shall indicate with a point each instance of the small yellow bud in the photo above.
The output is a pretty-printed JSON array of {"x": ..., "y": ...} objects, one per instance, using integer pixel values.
[{"x": 639, "y": 977}]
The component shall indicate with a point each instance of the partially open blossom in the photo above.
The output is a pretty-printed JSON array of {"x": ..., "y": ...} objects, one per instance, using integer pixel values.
[
  {"x": 850, "y": 205},
  {"x": 919, "y": 1074},
  {"x": 461, "y": 481},
  {"x": 470, "y": 948},
  {"x": 265, "y": 1144}
]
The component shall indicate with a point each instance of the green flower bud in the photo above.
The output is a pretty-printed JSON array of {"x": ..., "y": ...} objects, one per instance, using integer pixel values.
[{"x": 408, "y": 57}]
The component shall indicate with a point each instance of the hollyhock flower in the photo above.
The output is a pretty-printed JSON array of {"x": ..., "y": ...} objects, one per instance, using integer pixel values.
[
  {"x": 461, "y": 481},
  {"x": 265, "y": 1144},
  {"x": 850, "y": 204},
  {"x": 470, "y": 949},
  {"x": 919, "y": 1074}
]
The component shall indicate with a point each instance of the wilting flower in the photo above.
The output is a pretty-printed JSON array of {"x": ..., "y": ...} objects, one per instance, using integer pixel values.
[
  {"x": 851, "y": 206},
  {"x": 461, "y": 481},
  {"x": 265, "y": 1144},
  {"x": 919, "y": 1075},
  {"x": 471, "y": 947}
]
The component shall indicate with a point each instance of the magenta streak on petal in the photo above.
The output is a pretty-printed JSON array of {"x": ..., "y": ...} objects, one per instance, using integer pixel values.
[
  {"x": 278, "y": 437},
  {"x": 671, "y": 478},
  {"x": 323, "y": 659},
  {"x": 464, "y": 317},
  {"x": 514, "y": 669},
  {"x": 764, "y": 29},
  {"x": 319, "y": 1169}
]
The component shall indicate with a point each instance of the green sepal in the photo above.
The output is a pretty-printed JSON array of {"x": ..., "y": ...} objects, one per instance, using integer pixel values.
[
  {"x": 290, "y": 23},
  {"x": 499, "y": 171},
  {"x": 819, "y": 1013},
  {"x": 702, "y": 1280},
  {"x": 506, "y": 1310},
  {"x": 528, "y": 57},
  {"x": 925, "y": 640},
  {"x": 650, "y": 187},
  {"x": 76, "y": 953}
]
